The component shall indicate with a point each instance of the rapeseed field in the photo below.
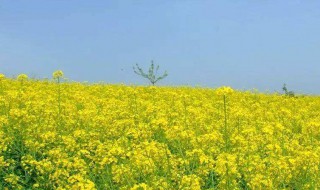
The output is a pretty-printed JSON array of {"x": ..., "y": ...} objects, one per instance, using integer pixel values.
[{"x": 57, "y": 134}]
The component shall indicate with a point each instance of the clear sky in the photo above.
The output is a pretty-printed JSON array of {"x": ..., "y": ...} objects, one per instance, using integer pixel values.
[{"x": 244, "y": 44}]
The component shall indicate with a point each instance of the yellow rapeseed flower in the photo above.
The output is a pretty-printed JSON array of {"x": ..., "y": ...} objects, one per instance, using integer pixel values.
[
  {"x": 57, "y": 74},
  {"x": 22, "y": 77},
  {"x": 99, "y": 136},
  {"x": 2, "y": 76}
]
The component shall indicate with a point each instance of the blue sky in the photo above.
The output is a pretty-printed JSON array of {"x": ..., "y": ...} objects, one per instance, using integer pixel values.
[{"x": 245, "y": 44}]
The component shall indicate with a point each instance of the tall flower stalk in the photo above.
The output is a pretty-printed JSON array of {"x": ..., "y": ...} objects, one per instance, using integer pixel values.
[
  {"x": 57, "y": 75},
  {"x": 2, "y": 77},
  {"x": 22, "y": 78}
]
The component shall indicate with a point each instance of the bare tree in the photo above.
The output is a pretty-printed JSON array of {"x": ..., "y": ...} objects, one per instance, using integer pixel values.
[
  {"x": 152, "y": 74},
  {"x": 287, "y": 93}
]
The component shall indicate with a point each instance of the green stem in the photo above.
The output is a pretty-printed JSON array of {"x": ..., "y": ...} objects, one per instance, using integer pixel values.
[
  {"x": 225, "y": 123},
  {"x": 228, "y": 177},
  {"x": 59, "y": 102}
]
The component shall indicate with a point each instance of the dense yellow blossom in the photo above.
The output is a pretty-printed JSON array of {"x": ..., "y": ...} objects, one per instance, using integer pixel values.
[
  {"x": 57, "y": 74},
  {"x": 69, "y": 135},
  {"x": 2, "y": 76},
  {"x": 22, "y": 77}
]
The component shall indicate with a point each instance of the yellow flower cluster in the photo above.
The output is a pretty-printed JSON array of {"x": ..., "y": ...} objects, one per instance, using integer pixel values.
[
  {"x": 69, "y": 135},
  {"x": 57, "y": 74},
  {"x": 2, "y": 76}
]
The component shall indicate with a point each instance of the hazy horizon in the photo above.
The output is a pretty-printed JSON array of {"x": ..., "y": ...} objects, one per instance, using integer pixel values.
[{"x": 243, "y": 44}]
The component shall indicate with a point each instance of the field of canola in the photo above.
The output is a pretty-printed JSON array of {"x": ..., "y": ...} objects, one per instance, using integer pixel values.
[{"x": 69, "y": 135}]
